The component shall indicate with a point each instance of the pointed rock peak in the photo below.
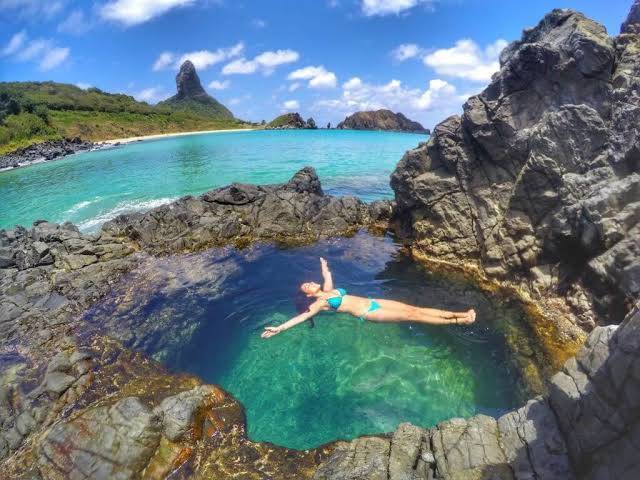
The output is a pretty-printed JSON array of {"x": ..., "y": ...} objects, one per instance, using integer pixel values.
[
  {"x": 632, "y": 23},
  {"x": 188, "y": 82}
]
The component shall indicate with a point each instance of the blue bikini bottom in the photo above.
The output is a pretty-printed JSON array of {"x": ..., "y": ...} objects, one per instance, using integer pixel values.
[{"x": 373, "y": 306}]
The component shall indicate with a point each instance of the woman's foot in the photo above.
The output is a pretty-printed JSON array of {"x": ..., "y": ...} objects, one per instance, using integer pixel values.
[{"x": 467, "y": 319}]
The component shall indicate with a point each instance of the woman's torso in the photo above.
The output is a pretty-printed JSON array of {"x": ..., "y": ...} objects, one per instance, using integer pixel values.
[{"x": 351, "y": 304}]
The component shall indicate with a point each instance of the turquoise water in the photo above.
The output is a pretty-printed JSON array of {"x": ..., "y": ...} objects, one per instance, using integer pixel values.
[
  {"x": 91, "y": 188},
  {"x": 203, "y": 313}
]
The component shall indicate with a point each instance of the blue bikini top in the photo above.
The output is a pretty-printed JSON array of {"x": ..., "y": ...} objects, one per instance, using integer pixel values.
[{"x": 335, "y": 302}]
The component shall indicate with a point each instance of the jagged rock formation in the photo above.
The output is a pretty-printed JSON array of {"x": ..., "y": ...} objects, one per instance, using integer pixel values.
[
  {"x": 293, "y": 212},
  {"x": 538, "y": 182},
  {"x": 192, "y": 97},
  {"x": 632, "y": 23},
  {"x": 381, "y": 120},
  {"x": 291, "y": 121}
]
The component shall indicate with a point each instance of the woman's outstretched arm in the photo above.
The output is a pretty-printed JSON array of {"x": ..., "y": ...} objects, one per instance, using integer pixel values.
[
  {"x": 327, "y": 285},
  {"x": 314, "y": 308}
]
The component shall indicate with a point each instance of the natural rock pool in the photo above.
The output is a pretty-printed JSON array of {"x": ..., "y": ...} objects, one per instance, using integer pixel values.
[{"x": 203, "y": 313}]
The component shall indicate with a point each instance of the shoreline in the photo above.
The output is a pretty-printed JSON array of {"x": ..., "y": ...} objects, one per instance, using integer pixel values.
[
  {"x": 29, "y": 159},
  {"x": 167, "y": 135}
]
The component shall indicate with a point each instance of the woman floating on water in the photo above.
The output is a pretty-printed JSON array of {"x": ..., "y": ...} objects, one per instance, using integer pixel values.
[{"x": 376, "y": 310}]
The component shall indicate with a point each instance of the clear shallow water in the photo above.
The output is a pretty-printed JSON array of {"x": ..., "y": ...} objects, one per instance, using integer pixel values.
[
  {"x": 91, "y": 188},
  {"x": 203, "y": 313}
]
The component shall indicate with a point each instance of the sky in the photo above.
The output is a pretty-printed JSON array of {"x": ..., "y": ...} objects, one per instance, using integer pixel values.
[{"x": 322, "y": 58}]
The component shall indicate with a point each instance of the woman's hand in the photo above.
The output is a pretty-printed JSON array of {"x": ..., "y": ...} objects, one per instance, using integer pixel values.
[
  {"x": 270, "y": 332},
  {"x": 323, "y": 264}
]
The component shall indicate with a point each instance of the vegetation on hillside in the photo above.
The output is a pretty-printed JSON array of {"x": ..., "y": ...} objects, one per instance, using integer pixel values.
[
  {"x": 287, "y": 119},
  {"x": 33, "y": 112},
  {"x": 206, "y": 107}
]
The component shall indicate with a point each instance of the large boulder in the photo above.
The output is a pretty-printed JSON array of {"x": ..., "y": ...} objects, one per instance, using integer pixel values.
[
  {"x": 538, "y": 182},
  {"x": 109, "y": 442}
]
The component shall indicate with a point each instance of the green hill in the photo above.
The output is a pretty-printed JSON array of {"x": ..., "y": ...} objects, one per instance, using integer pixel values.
[{"x": 33, "y": 112}]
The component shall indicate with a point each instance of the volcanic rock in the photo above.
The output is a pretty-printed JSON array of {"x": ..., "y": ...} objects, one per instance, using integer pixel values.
[{"x": 538, "y": 182}]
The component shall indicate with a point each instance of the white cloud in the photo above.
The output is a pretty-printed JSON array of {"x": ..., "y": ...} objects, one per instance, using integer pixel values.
[
  {"x": 258, "y": 23},
  {"x": 240, "y": 66},
  {"x": 75, "y": 24},
  {"x": 318, "y": 76},
  {"x": 279, "y": 57},
  {"x": 41, "y": 50},
  {"x": 389, "y": 7},
  {"x": 33, "y": 9},
  {"x": 266, "y": 62},
  {"x": 467, "y": 60},
  {"x": 15, "y": 43},
  {"x": 201, "y": 59},
  {"x": 163, "y": 61},
  {"x": 83, "y": 85},
  {"x": 238, "y": 100},
  {"x": 34, "y": 48},
  {"x": 358, "y": 95},
  {"x": 291, "y": 105},
  {"x": 438, "y": 90},
  {"x": 133, "y": 12},
  {"x": 218, "y": 85},
  {"x": 54, "y": 57},
  {"x": 405, "y": 52},
  {"x": 294, "y": 86},
  {"x": 150, "y": 95}
]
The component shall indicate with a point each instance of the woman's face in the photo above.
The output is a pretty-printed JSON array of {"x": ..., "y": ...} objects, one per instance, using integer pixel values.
[{"x": 310, "y": 288}]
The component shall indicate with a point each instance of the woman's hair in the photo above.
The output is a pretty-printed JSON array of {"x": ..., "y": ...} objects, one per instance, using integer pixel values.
[{"x": 302, "y": 303}]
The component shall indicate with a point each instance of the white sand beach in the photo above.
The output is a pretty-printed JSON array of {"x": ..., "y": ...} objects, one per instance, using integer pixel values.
[{"x": 177, "y": 134}]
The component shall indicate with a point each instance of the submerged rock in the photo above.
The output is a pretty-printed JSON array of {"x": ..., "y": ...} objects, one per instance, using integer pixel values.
[{"x": 538, "y": 182}]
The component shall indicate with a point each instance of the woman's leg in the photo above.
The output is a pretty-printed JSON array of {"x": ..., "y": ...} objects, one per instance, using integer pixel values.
[{"x": 392, "y": 311}]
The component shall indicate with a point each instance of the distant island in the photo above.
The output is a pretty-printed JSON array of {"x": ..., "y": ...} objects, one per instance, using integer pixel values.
[
  {"x": 291, "y": 121},
  {"x": 381, "y": 120},
  {"x": 36, "y": 112}
]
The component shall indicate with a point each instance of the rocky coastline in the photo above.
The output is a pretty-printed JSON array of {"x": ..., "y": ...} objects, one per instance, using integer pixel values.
[
  {"x": 45, "y": 152},
  {"x": 64, "y": 394},
  {"x": 539, "y": 179}
]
